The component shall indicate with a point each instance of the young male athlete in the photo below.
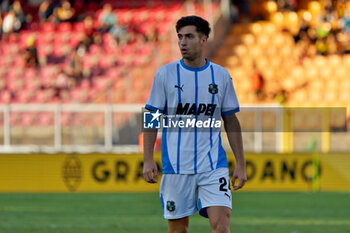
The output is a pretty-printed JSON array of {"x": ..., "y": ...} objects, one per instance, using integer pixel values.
[{"x": 194, "y": 164}]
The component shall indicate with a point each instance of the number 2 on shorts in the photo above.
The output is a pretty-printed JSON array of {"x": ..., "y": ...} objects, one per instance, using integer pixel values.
[{"x": 223, "y": 184}]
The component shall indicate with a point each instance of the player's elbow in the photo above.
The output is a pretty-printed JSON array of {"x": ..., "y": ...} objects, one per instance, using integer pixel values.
[{"x": 231, "y": 123}]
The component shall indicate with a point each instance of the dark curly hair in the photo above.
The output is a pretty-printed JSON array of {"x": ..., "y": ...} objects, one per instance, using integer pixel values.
[{"x": 201, "y": 24}]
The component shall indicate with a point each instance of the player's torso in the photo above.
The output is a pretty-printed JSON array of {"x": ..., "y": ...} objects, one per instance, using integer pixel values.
[{"x": 193, "y": 92}]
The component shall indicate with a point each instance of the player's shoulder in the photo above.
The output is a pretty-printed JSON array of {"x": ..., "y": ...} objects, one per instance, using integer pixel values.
[
  {"x": 168, "y": 67},
  {"x": 221, "y": 71}
]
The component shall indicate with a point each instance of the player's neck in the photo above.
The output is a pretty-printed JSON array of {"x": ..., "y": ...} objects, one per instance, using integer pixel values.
[{"x": 196, "y": 63}]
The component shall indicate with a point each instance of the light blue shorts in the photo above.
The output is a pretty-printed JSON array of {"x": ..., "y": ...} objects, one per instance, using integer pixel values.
[{"x": 182, "y": 195}]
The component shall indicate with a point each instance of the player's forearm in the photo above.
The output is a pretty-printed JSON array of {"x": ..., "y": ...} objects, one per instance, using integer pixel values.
[
  {"x": 149, "y": 139},
  {"x": 234, "y": 135}
]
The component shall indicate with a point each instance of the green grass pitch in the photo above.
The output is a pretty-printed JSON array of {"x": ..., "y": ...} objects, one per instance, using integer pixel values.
[{"x": 253, "y": 212}]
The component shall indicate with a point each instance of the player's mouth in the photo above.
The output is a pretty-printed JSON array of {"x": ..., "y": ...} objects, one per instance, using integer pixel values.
[{"x": 183, "y": 51}]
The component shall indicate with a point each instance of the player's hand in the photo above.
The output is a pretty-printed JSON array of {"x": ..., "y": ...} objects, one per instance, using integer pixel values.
[
  {"x": 150, "y": 171},
  {"x": 239, "y": 174}
]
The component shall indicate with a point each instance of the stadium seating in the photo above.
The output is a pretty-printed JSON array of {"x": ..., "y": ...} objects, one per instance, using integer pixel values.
[
  {"x": 317, "y": 80},
  {"x": 112, "y": 72}
]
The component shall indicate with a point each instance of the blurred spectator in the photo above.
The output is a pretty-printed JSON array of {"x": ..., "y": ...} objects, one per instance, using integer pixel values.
[
  {"x": 285, "y": 5},
  {"x": 53, "y": 18},
  {"x": 281, "y": 96},
  {"x": 5, "y": 6},
  {"x": 31, "y": 54},
  {"x": 45, "y": 10},
  {"x": 257, "y": 81},
  {"x": 323, "y": 30},
  {"x": 0, "y": 23},
  {"x": 234, "y": 13},
  {"x": 90, "y": 30},
  {"x": 256, "y": 12},
  {"x": 97, "y": 39},
  {"x": 329, "y": 30},
  {"x": 34, "y": 3},
  {"x": 65, "y": 13},
  {"x": 63, "y": 82},
  {"x": 75, "y": 69},
  {"x": 303, "y": 31},
  {"x": 84, "y": 45},
  {"x": 243, "y": 8},
  {"x": 107, "y": 18},
  {"x": 10, "y": 24},
  {"x": 17, "y": 9},
  {"x": 120, "y": 33},
  {"x": 345, "y": 21},
  {"x": 322, "y": 46}
]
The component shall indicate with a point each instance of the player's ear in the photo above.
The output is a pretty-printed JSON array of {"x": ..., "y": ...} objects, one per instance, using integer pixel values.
[{"x": 203, "y": 39}]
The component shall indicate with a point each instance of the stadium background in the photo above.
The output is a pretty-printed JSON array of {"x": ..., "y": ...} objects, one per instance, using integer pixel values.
[{"x": 75, "y": 75}]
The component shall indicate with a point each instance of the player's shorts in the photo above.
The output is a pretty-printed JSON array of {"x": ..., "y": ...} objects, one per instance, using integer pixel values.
[{"x": 182, "y": 195}]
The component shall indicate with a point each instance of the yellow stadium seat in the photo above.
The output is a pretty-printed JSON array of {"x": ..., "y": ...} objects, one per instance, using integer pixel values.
[
  {"x": 344, "y": 96},
  {"x": 269, "y": 74},
  {"x": 263, "y": 40},
  {"x": 256, "y": 28},
  {"x": 331, "y": 96},
  {"x": 341, "y": 73},
  {"x": 346, "y": 60},
  {"x": 240, "y": 50},
  {"x": 327, "y": 72},
  {"x": 299, "y": 96},
  {"x": 262, "y": 63},
  {"x": 311, "y": 72},
  {"x": 334, "y": 61},
  {"x": 255, "y": 51},
  {"x": 232, "y": 60},
  {"x": 248, "y": 39},
  {"x": 320, "y": 61},
  {"x": 278, "y": 19}
]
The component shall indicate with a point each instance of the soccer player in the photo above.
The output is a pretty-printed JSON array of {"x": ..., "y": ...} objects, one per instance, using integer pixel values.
[{"x": 194, "y": 163}]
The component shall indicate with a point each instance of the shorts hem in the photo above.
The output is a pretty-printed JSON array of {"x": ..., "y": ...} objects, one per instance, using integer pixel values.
[
  {"x": 180, "y": 216},
  {"x": 216, "y": 204},
  {"x": 203, "y": 211}
]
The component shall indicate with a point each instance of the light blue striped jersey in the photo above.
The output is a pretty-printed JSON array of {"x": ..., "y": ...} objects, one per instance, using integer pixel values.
[{"x": 205, "y": 93}]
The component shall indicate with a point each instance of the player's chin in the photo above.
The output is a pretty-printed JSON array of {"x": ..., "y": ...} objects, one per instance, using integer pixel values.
[{"x": 187, "y": 56}]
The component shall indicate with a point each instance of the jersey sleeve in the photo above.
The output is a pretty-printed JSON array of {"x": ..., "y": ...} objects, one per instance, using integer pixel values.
[
  {"x": 157, "y": 98},
  {"x": 230, "y": 103}
]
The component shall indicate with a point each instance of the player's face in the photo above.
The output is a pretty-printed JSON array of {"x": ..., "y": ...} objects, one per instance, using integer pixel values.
[{"x": 190, "y": 42}]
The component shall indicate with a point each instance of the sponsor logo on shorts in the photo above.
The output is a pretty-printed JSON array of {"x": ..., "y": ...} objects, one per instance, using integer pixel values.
[{"x": 170, "y": 206}]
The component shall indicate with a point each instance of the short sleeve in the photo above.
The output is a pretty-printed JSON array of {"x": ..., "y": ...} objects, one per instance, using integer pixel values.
[
  {"x": 157, "y": 98},
  {"x": 229, "y": 103}
]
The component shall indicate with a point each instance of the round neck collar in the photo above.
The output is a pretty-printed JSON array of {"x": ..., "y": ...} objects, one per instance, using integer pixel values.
[{"x": 195, "y": 68}]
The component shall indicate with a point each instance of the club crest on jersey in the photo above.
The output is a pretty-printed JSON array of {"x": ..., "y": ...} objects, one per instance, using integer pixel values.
[
  {"x": 170, "y": 206},
  {"x": 213, "y": 89}
]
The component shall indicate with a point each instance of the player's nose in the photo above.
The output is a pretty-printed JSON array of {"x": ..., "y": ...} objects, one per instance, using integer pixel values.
[{"x": 183, "y": 42}]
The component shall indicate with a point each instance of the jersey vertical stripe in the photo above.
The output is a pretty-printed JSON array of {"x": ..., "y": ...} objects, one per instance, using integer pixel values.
[
  {"x": 179, "y": 136},
  {"x": 211, "y": 118},
  {"x": 195, "y": 127}
]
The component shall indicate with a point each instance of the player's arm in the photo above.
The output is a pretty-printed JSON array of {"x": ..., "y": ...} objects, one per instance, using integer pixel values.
[
  {"x": 156, "y": 101},
  {"x": 234, "y": 135},
  {"x": 149, "y": 166}
]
